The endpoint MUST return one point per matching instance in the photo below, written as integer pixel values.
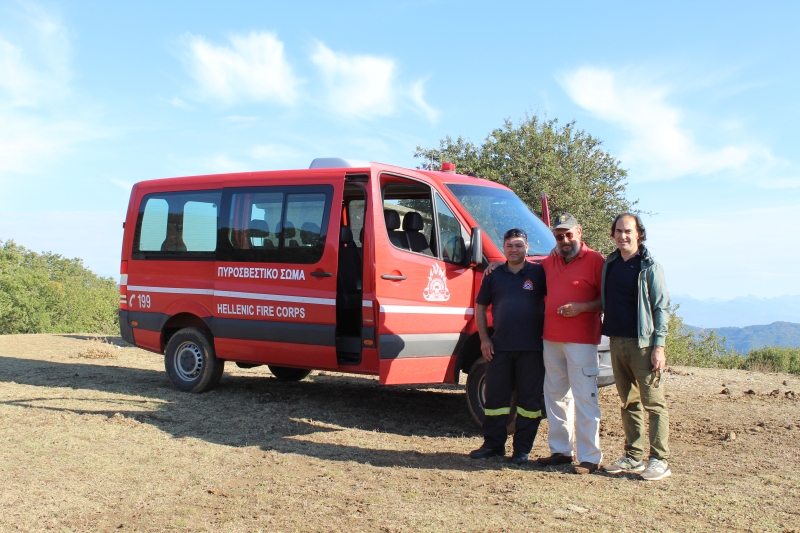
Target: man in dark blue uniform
(516, 293)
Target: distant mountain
(750, 337)
(738, 312)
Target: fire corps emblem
(528, 285)
(436, 291)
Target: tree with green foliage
(540, 156)
(47, 293)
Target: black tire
(191, 362)
(284, 373)
(476, 395)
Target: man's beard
(572, 253)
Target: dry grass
(98, 348)
(109, 444)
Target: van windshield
(499, 210)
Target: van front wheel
(191, 362)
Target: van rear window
(177, 225)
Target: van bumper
(125, 330)
(606, 376)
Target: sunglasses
(561, 236)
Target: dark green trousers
(635, 379)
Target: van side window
(452, 234)
(275, 224)
(408, 214)
(177, 225)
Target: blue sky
(699, 100)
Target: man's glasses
(561, 236)
(512, 233)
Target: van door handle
(322, 274)
(392, 277)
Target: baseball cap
(565, 221)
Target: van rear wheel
(191, 362)
(284, 373)
(476, 395)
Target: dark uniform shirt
(517, 302)
(622, 297)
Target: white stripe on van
(123, 279)
(426, 310)
(170, 290)
(232, 294)
(276, 297)
(408, 309)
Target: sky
(699, 101)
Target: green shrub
(774, 359)
(47, 293)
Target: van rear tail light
(123, 285)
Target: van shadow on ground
(261, 411)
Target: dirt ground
(110, 445)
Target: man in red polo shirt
(571, 335)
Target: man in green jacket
(636, 313)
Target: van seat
(290, 235)
(309, 234)
(259, 229)
(348, 289)
(392, 219)
(412, 225)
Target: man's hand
(575, 308)
(491, 267)
(659, 358)
(487, 349)
(572, 309)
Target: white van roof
(337, 162)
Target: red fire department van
(358, 268)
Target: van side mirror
(476, 247)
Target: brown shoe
(555, 459)
(585, 468)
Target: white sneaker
(656, 469)
(625, 465)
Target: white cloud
(29, 142)
(418, 97)
(252, 69)
(35, 73)
(660, 145)
(357, 85)
(36, 67)
(177, 102)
